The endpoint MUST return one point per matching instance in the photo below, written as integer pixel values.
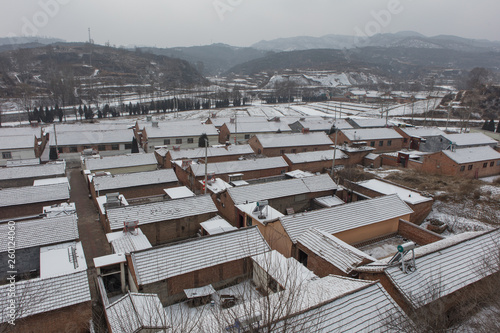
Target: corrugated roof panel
(362, 134)
(171, 260)
(160, 211)
(315, 156)
(447, 270)
(38, 171)
(120, 161)
(15, 196)
(211, 152)
(345, 217)
(471, 155)
(239, 166)
(293, 140)
(103, 183)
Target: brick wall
(280, 151)
(26, 210)
(137, 191)
(439, 163)
(318, 265)
(419, 235)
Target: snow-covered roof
(40, 232)
(51, 181)
(329, 201)
(111, 182)
(33, 194)
(92, 137)
(283, 188)
(315, 124)
(120, 161)
(470, 139)
(218, 185)
(422, 132)
(369, 122)
(239, 166)
(371, 134)
(135, 312)
(365, 309)
(315, 156)
(110, 259)
(447, 270)
(160, 211)
(177, 129)
(126, 242)
(44, 295)
(270, 214)
(338, 253)
(38, 171)
(288, 272)
(62, 259)
(179, 192)
(346, 217)
(211, 152)
(17, 142)
(163, 262)
(372, 156)
(258, 127)
(293, 140)
(471, 155)
(408, 196)
(217, 225)
(299, 174)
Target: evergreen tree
(203, 140)
(135, 146)
(80, 111)
(485, 125)
(498, 127)
(53, 154)
(491, 126)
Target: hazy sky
(167, 23)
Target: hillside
(80, 71)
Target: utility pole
(448, 118)
(55, 137)
(236, 127)
(206, 166)
(335, 148)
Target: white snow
(179, 192)
(406, 195)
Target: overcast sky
(168, 23)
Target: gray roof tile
(33, 194)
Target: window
(190, 140)
(101, 147)
(294, 151)
(115, 147)
(282, 152)
(249, 221)
(166, 141)
(372, 144)
(380, 143)
(485, 165)
(462, 168)
(303, 257)
(469, 167)
(7, 154)
(247, 136)
(73, 149)
(389, 143)
(128, 146)
(178, 141)
(59, 150)
(492, 164)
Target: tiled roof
(134, 312)
(346, 217)
(283, 188)
(315, 156)
(110, 182)
(240, 166)
(38, 171)
(176, 129)
(408, 196)
(371, 134)
(422, 132)
(471, 155)
(75, 138)
(126, 242)
(42, 232)
(293, 140)
(369, 122)
(33, 194)
(447, 270)
(121, 161)
(340, 254)
(44, 295)
(367, 309)
(160, 211)
(18, 142)
(259, 127)
(470, 139)
(171, 260)
(211, 152)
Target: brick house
(292, 194)
(164, 221)
(26, 175)
(219, 260)
(248, 169)
(242, 131)
(382, 139)
(280, 144)
(426, 139)
(20, 143)
(315, 161)
(121, 164)
(467, 162)
(214, 154)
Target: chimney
(305, 130)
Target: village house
(170, 269)
(241, 131)
(26, 175)
(442, 273)
(382, 139)
(30, 200)
(120, 164)
(183, 134)
(367, 123)
(466, 163)
(211, 154)
(280, 144)
(134, 185)
(163, 221)
(293, 195)
(227, 171)
(318, 124)
(426, 139)
(316, 161)
(466, 140)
